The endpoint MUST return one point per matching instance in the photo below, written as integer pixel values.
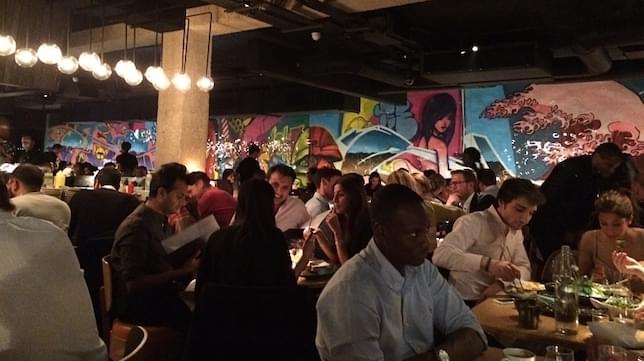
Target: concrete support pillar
(182, 118)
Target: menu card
(201, 230)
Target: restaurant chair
(252, 323)
(163, 343)
(134, 346)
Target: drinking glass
(558, 353)
(610, 353)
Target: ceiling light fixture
(88, 60)
(132, 75)
(26, 57)
(7, 42)
(68, 64)
(475, 48)
(49, 53)
(205, 83)
(181, 80)
(102, 71)
(154, 73)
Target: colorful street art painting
(100, 142)
(425, 133)
(282, 140)
(526, 130)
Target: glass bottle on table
(566, 304)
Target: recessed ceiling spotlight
(475, 48)
(463, 52)
(45, 95)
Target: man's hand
(504, 270)
(453, 200)
(491, 291)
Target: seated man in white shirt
(388, 302)
(486, 248)
(290, 212)
(324, 180)
(24, 188)
(45, 313)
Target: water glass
(610, 353)
(558, 353)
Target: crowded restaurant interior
(323, 180)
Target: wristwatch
(442, 355)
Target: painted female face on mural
(442, 124)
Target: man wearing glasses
(486, 248)
(389, 302)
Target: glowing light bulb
(7, 45)
(181, 81)
(102, 72)
(26, 57)
(205, 84)
(124, 67)
(68, 65)
(89, 61)
(49, 53)
(134, 78)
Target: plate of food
(318, 269)
(524, 289)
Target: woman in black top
(374, 184)
(252, 252)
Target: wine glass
(558, 353)
(610, 353)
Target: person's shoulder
(35, 226)
(352, 277)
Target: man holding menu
(146, 287)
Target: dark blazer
(481, 202)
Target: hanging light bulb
(89, 60)
(162, 83)
(152, 73)
(67, 65)
(7, 45)
(49, 53)
(134, 78)
(26, 57)
(181, 81)
(205, 84)
(124, 67)
(102, 72)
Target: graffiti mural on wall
(425, 133)
(281, 139)
(100, 142)
(528, 129)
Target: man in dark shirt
(146, 287)
(571, 189)
(95, 216)
(29, 153)
(126, 161)
(249, 166)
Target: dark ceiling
(379, 54)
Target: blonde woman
(404, 178)
(426, 190)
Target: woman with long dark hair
(437, 127)
(252, 251)
(347, 228)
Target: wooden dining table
(501, 321)
(496, 354)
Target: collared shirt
(317, 204)
(370, 311)
(43, 206)
(137, 250)
(476, 235)
(468, 202)
(47, 313)
(291, 214)
(219, 203)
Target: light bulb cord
(134, 46)
(184, 48)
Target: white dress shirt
(46, 312)
(476, 235)
(43, 206)
(291, 214)
(371, 312)
(317, 204)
